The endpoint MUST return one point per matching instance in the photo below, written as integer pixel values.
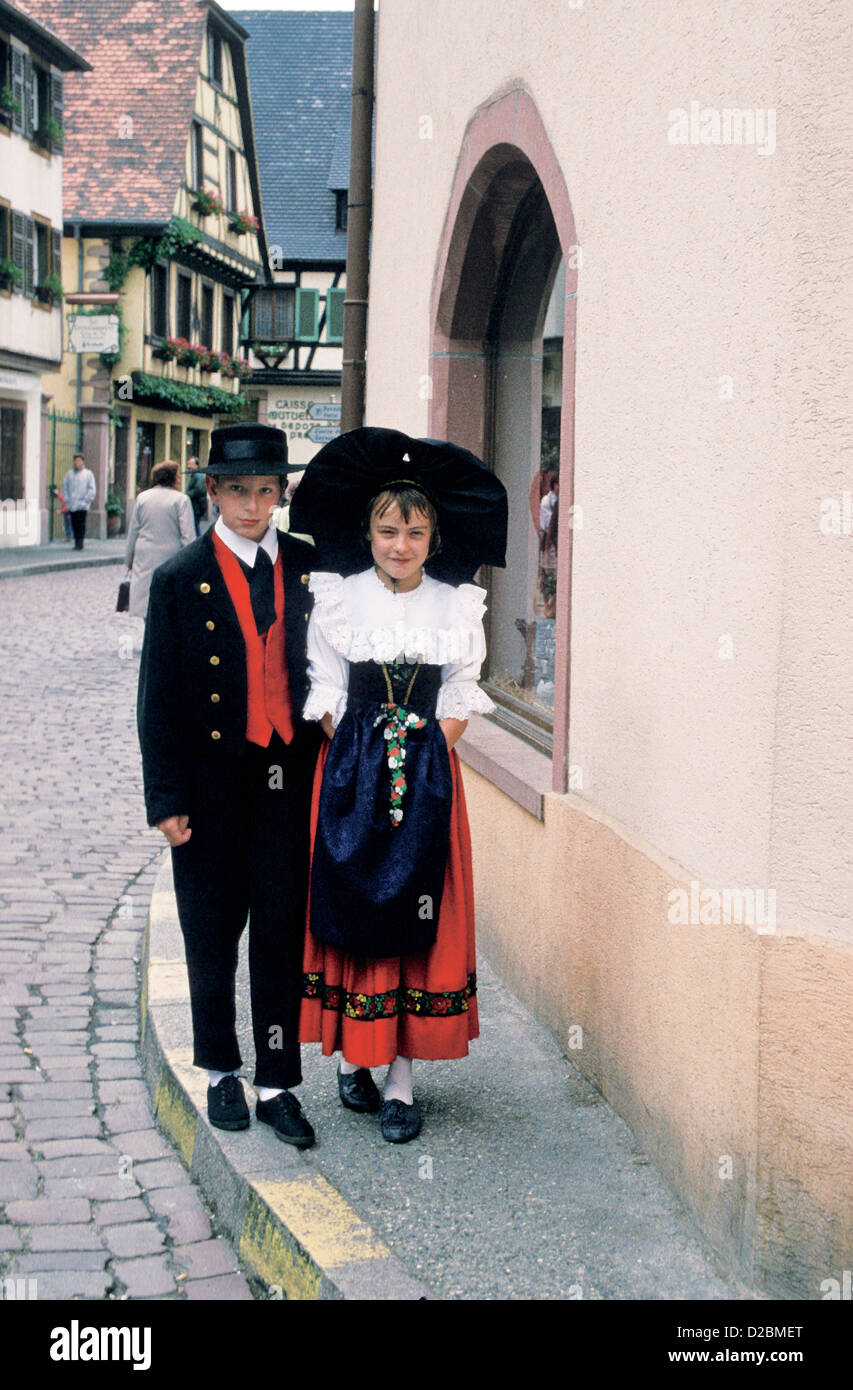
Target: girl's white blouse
(360, 619)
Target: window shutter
(19, 248)
(261, 303)
(55, 252)
(56, 107)
(306, 315)
(29, 98)
(18, 64)
(335, 315)
(29, 257)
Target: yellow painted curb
(322, 1221)
(176, 1114)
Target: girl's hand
(453, 729)
(328, 726)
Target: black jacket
(193, 688)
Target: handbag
(123, 600)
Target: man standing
(78, 491)
(196, 492)
(228, 766)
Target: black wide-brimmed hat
(248, 449)
(344, 477)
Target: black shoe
(399, 1122)
(286, 1116)
(357, 1091)
(226, 1104)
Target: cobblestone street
(94, 1203)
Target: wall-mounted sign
(93, 333)
(295, 415)
(323, 434)
(325, 410)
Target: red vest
(268, 705)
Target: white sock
(398, 1082)
(269, 1092)
(347, 1068)
(214, 1077)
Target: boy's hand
(176, 829)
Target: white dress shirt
(245, 549)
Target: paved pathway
(93, 1202)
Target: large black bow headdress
(344, 477)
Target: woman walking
(161, 524)
(394, 653)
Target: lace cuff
(325, 699)
(459, 699)
(329, 610)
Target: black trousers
(247, 857)
(78, 526)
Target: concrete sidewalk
(17, 560)
(523, 1184)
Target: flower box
(207, 202)
(243, 222)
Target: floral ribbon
(398, 722)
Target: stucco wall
(701, 513)
(722, 1046)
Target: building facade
(34, 64)
(598, 264)
(300, 69)
(166, 237)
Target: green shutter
(55, 252)
(29, 257)
(19, 248)
(56, 107)
(18, 66)
(29, 98)
(335, 315)
(307, 305)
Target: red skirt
(422, 1005)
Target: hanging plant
(10, 274)
(52, 133)
(8, 102)
(50, 289)
(196, 400)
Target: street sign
(323, 434)
(325, 410)
(93, 333)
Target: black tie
(261, 590)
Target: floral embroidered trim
(369, 1007)
(398, 722)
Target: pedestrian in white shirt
(78, 490)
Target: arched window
(503, 383)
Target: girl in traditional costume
(395, 646)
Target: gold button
(304, 578)
(205, 588)
(214, 699)
(215, 733)
(306, 617)
(214, 661)
(210, 625)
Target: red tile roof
(127, 122)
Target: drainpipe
(79, 240)
(358, 218)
